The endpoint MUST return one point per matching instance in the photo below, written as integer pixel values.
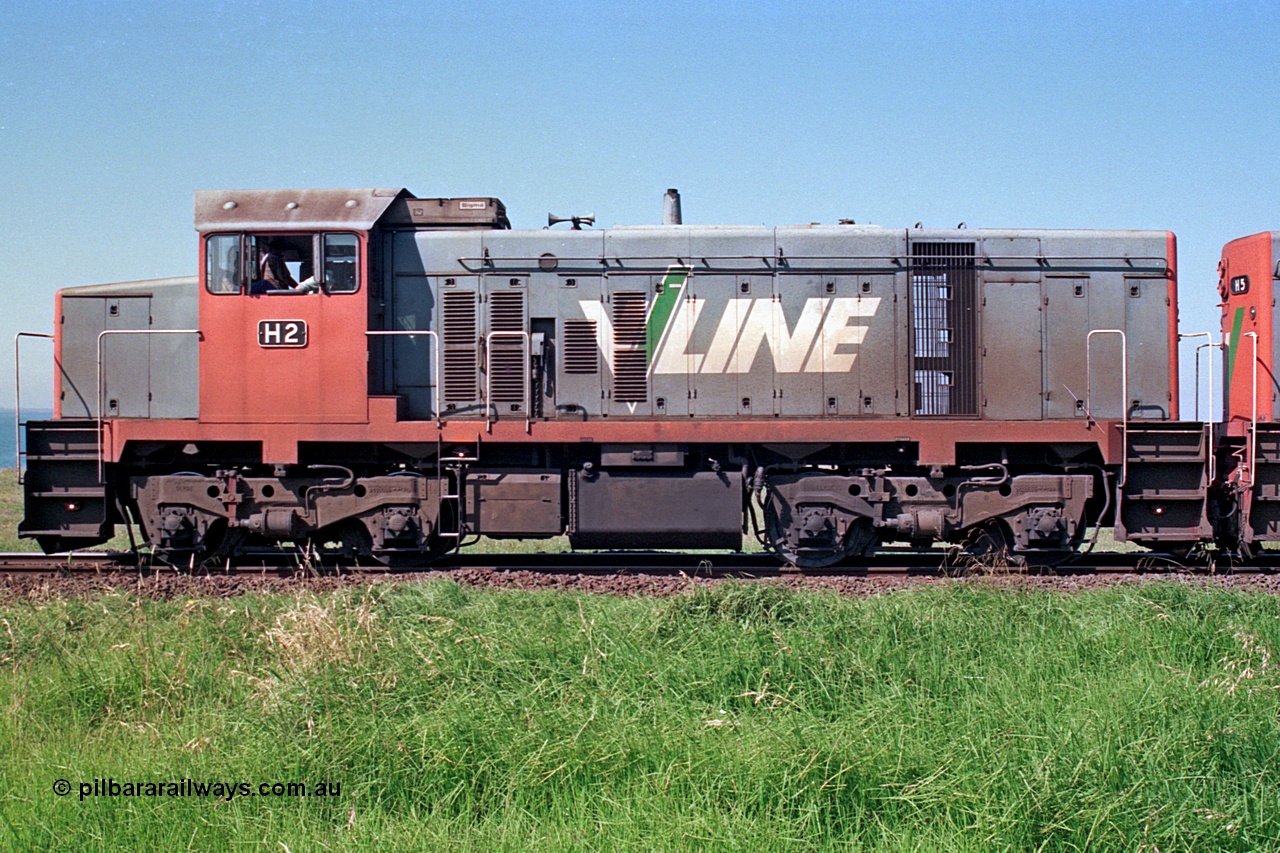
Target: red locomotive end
(1246, 285)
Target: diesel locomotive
(827, 389)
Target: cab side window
(341, 255)
(282, 264)
(224, 264)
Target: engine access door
(111, 346)
(1011, 351)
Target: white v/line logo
(820, 341)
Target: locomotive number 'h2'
(282, 333)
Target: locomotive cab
(287, 280)
(282, 307)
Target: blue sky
(1096, 115)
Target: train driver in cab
(272, 272)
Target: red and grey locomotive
(829, 388)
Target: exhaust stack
(671, 208)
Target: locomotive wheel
(218, 544)
(350, 541)
(345, 542)
(798, 546)
(986, 549)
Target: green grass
(11, 513)
(968, 716)
(741, 717)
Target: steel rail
(936, 563)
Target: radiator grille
(944, 328)
(630, 361)
(581, 350)
(458, 338)
(507, 362)
(506, 311)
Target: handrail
(1253, 427)
(1187, 336)
(1209, 450)
(18, 452)
(435, 373)
(488, 372)
(102, 390)
(1155, 264)
(1213, 459)
(1124, 389)
(1211, 345)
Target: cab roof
(287, 210)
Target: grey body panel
(1011, 357)
(806, 391)
(85, 319)
(143, 375)
(1146, 312)
(126, 361)
(1066, 313)
(412, 358)
(797, 322)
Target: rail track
(886, 564)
